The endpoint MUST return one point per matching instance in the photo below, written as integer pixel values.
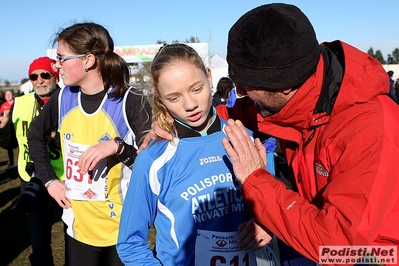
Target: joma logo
(211, 159)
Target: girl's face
(71, 70)
(186, 92)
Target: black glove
(27, 199)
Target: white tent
(26, 87)
(219, 68)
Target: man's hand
(253, 235)
(57, 190)
(245, 156)
(154, 132)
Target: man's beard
(266, 111)
(46, 93)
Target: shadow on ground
(14, 232)
(13, 225)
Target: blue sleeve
(138, 215)
(232, 98)
(270, 146)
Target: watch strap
(120, 143)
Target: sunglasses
(43, 75)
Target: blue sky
(27, 27)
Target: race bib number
(221, 248)
(89, 186)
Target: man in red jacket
(328, 106)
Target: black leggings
(78, 253)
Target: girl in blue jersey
(185, 187)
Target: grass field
(14, 235)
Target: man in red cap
(34, 199)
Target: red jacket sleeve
(358, 205)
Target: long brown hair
(92, 38)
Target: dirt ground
(14, 235)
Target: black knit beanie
(273, 46)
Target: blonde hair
(166, 56)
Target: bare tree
(192, 39)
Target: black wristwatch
(120, 143)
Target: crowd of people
(113, 161)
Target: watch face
(120, 144)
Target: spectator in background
(4, 111)
(225, 85)
(392, 90)
(9, 101)
(40, 207)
